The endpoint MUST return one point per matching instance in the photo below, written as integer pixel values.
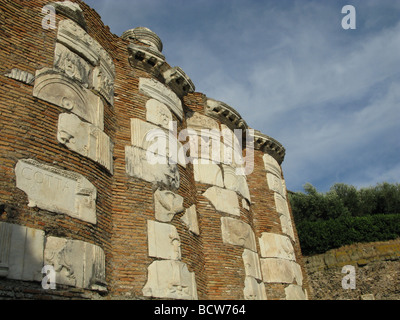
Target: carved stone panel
(77, 263)
(71, 64)
(236, 182)
(21, 252)
(254, 290)
(208, 174)
(156, 90)
(294, 292)
(238, 233)
(276, 246)
(223, 200)
(155, 169)
(20, 75)
(66, 93)
(163, 241)
(275, 184)
(85, 139)
(167, 204)
(170, 279)
(252, 264)
(197, 121)
(178, 81)
(281, 271)
(57, 190)
(190, 219)
(158, 113)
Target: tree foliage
(345, 215)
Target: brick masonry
(124, 204)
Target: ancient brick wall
(78, 192)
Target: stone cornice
(224, 113)
(269, 145)
(144, 35)
(145, 54)
(178, 81)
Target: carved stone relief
(155, 170)
(271, 165)
(276, 246)
(57, 190)
(208, 174)
(167, 204)
(170, 279)
(20, 75)
(254, 290)
(238, 233)
(21, 252)
(190, 219)
(197, 121)
(163, 241)
(178, 81)
(156, 90)
(60, 90)
(85, 139)
(275, 184)
(223, 200)
(236, 182)
(77, 263)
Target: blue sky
(330, 96)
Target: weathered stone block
(77, 263)
(271, 165)
(223, 200)
(167, 204)
(190, 219)
(170, 279)
(281, 271)
(238, 233)
(163, 241)
(85, 139)
(208, 174)
(254, 290)
(57, 190)
(158, 113)
(276, 246)
(294, 292)
(21, 252)
(236, 182)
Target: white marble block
(275, 184)
(61, 90)
(77, 263)
(190, 220)
(57, 190)
(223, 200)
(170, 279)
(271, 165)
(276, 246)
(158, 113)
(21, 252)
(294, 292)
(236, 182)
(167, 204)
(163, 241)
(281, 271)
(238, 233)
(252, 264)
(156, 90)
(156, 170)
(85, 139)
(254, 290)
(208, 174)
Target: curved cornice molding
(224, 113)
(269, 145)
(144, 35)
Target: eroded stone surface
(170, 279)
(254, 290)
(190, 219)
(158, 113)
(57, 190)
(167, 204)
(223, 200)
(208, 173)
(163, 241)
(281, 271)
(21, 252)
(276, 246)
(238, 233)
(252, 264)
(236, 182)
(271, 165)
(294, 292)
(77, 263)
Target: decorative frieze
(20, 75)
(223, 200)
(224, 113)
(76, 263)
(147, 55)
(85, 139)
(21, 252)
(66, 93)
(170, 279)
(178, 81)
(156, 90)
(269, 145)
(57, 190)
(238, 233)
(163, 241)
